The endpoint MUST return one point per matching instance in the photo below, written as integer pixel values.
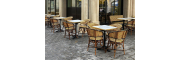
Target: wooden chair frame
(70, 31)
(95, 42)
(116, 44)
(82, 28)
(47, 21)
(131, 27)
(54, 22)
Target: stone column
(133, 8)
(125, 8)
(129, 8)
(84, 9)
(94, 11)
(62, 8)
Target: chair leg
(48, 24)
(112, 46)
(107, 46)
(123, 49)
(53, 28)
(100, 42)
(131, 30)
(75, 33)
(114, 50)
(80, 29)
(88, 45)
(65, 33)
(95, 47)
(45, 24)
(83, 31)
(69, 35)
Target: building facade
(96, 10)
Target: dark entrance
(107, 8)
(74, 8)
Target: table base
(102, 48)
(74, 37)
(60, 30)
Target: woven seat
(55, 24)
(97, 38)
(83, 26)
(70, 25)
(70, 28)
(118, 40)
(130, 25)
(46, 20)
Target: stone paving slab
(59, 48)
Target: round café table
(124, 21)
(76, 23)
(59, 18)
(104, 28)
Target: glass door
(53, 7)
(57, 7)
(74, 8)
(48, 7)
(108, 8)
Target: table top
(75, 21)
(125, 18)
(59, 17)
(104, 27)
(50, 15)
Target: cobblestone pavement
(59, 48)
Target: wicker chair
(114, 20)
(47, 21)
(90, 25)
(57, 15)
(95, 37)
(68, 29)
(68, 18)
(117, 38)
(55, 23)
(131, 26)
(83, 26)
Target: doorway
(107, 8)
(74, 8)
(52, 7)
